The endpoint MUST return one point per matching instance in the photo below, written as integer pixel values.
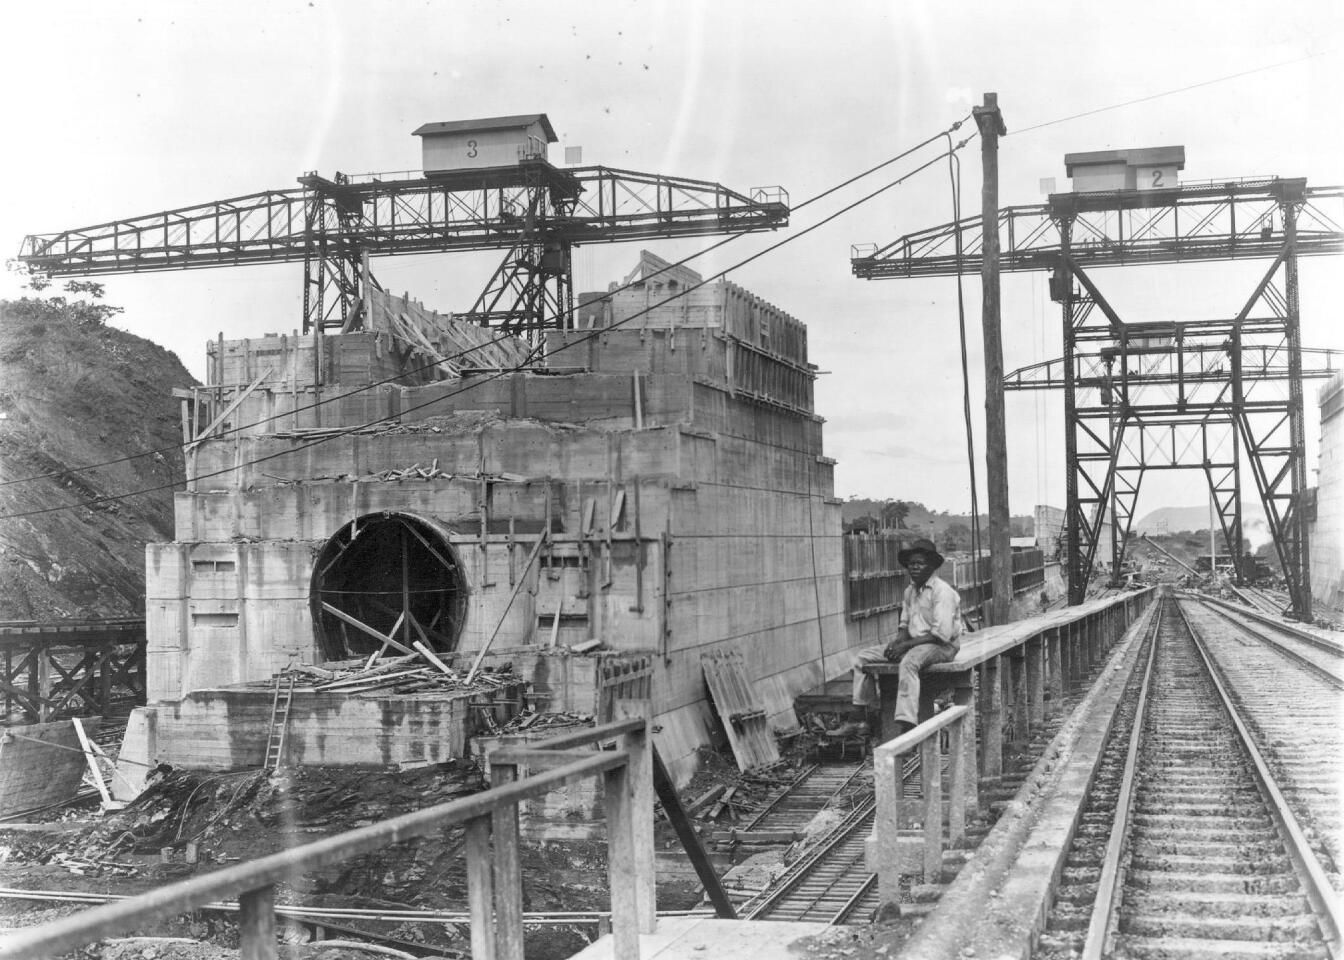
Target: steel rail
(1296, 633)
(1316, 885)
(857, 819)
(301, 911)
(1334, 679)
(1106, 906)
(1257, 600)
(803, 776)
(843, 913)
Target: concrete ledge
(997, 906)
(41, 763)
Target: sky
(120, 109)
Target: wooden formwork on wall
(622, 678)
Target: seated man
(928, 634)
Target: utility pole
(990, 121)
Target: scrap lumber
(95, 774)
(704, 800)
(428, 654)
(361, 625)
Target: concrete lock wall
(1327, 531)
(686, 508)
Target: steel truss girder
(472, 210)
(1191, 364)
(1108, 391)
(1191, 223)
(533, 210)
(1225, 491)
(1115, 427)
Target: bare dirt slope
(73, 394)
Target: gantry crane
(533, 210)
(1161, 394)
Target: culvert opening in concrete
(387, 576)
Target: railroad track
(1187, 845)
(831, 883)
(1293, 710)
(1316, 654)
(828, 884)
(822, 785)
(1263, 600)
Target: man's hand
(898, 647)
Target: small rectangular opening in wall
(562, 561)
(225, 621)
(213, 566)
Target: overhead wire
(684, 291)
(401, 375)
(954, 176)
(1168, 93)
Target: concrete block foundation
(660, 489)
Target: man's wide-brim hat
(925, 547)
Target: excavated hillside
(75, 393)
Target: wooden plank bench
(1013, 677)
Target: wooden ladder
(275, 740)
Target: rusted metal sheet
(744, 719)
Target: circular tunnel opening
(383, 582)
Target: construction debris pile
(530, 720)
(184, 817)
(407, 674)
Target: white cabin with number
(1151, 168)
(491, 142)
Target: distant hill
(1177, 519)
(920, 521)
(74, 392)
(1174, 519)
